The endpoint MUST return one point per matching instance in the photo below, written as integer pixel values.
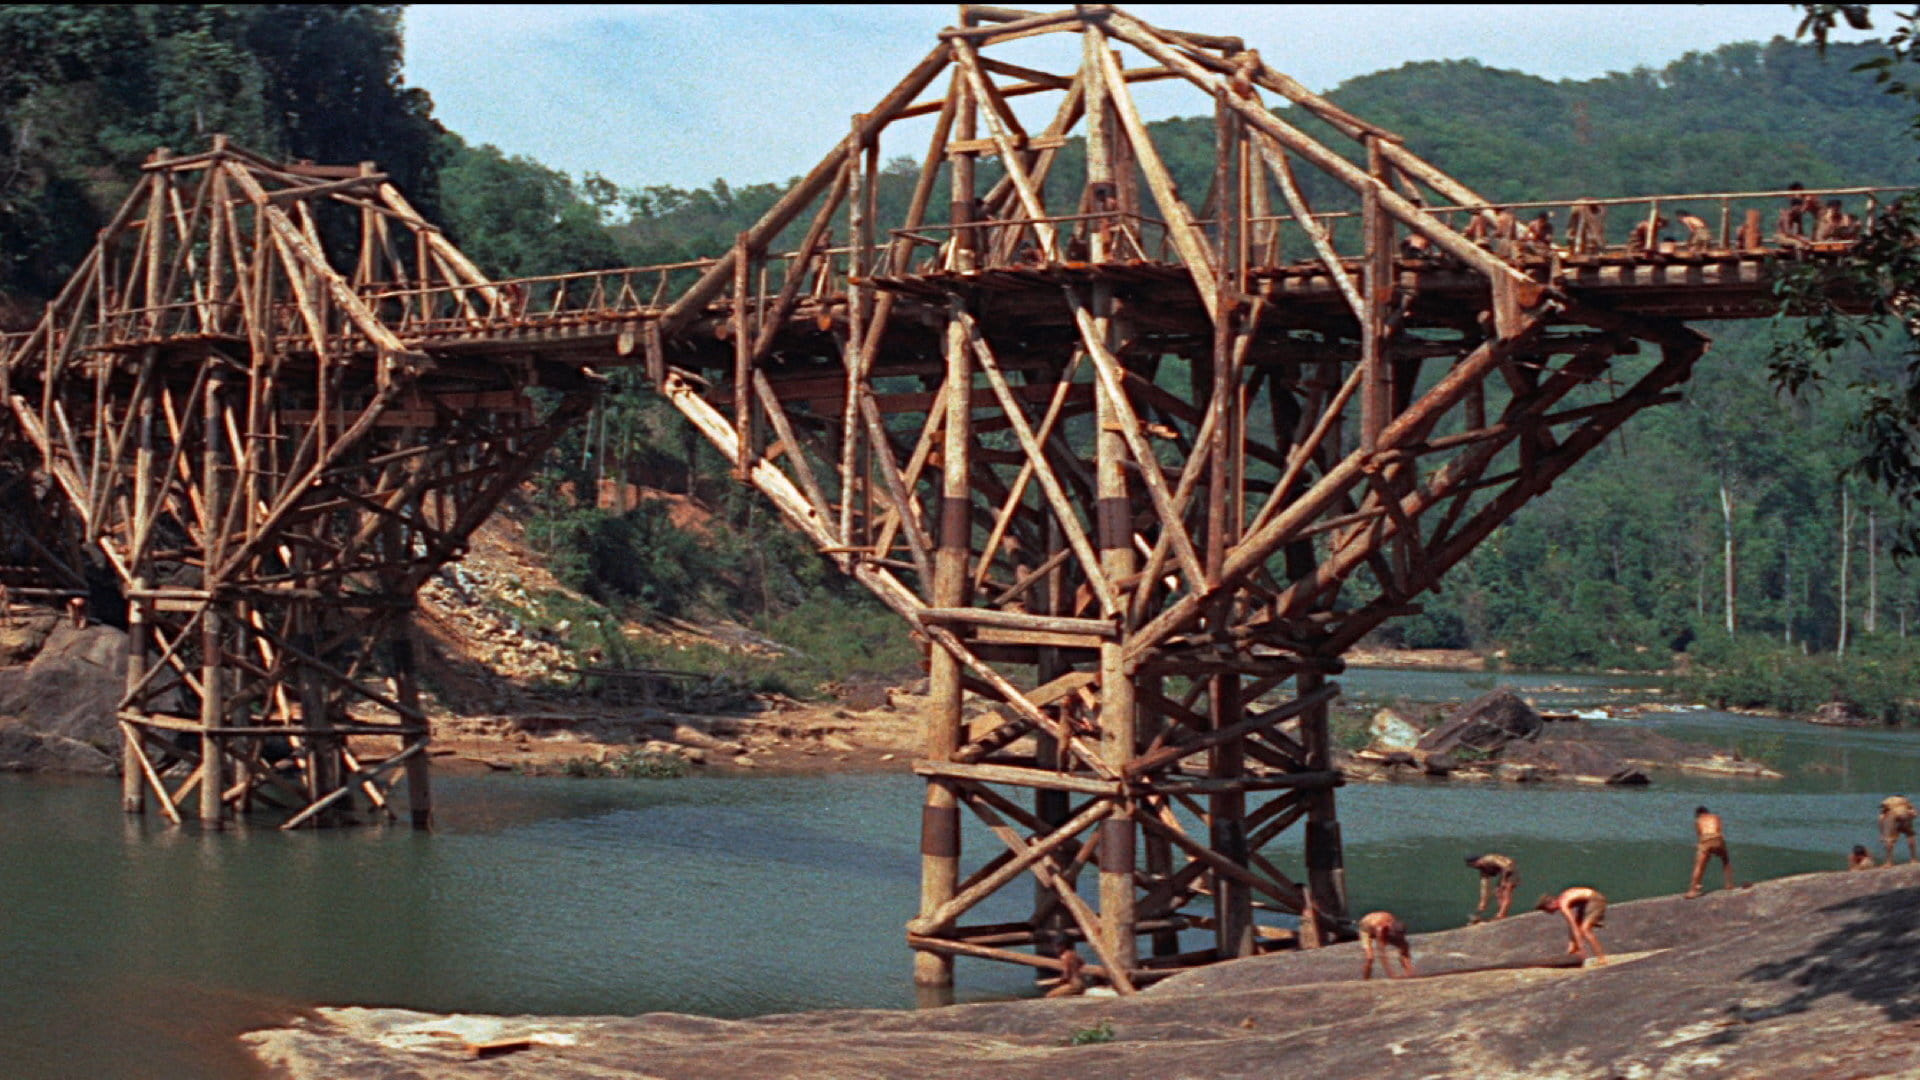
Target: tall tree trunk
(1873, 576)
(1726, 525)
(1786, 592)
(1846, 556)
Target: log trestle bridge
(1136, 469)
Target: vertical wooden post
(133, 788)
(406, 690)
(1099, 142)
(743, 425)
(132, 778)
(1376, 393)
(1113, 525)
(212, 658)
(322, 757)
(1113, 515)
(1226, 810)
(940, 818)
(1326, 870)
(1156, 849)
(1049, 805)
(966, 241)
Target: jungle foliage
(1624, 563)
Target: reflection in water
(134, 949)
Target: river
(131, 949)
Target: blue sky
(680, 94)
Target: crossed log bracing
(1137, 468)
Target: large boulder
(1392, 731)
(1842, 714)
(22, 636)
(23, 749)
(62, 704)
(1485, 725)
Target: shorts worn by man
(1585, 910)
(1498, 877)
(1896, 820)
(1712, 843)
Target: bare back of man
(1585, 910)
(1380, 931)
(1499, 877)
(1712, 843)
(1897, 816)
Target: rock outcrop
(1485, 725)
(1842, 714)
(1806, 977)
(57, 712)
(1392, 731)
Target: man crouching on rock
(1381, 930)
(1585, 910)
(1498, 877)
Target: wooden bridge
(1136, 469)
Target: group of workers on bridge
(1584, 908)
(1805, 220)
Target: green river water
(131, 949)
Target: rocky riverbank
(1500, 737)
(1810, 976)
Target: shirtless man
(1497, 876)
(1073, 978)
(1790, 229)
(1646, 234)
(1834, 223)
(1896, 820)
(1381, 930)
(1585, 911)
(1587, 228)
(1712, 841)
(1538, 239)
(1861, 859)
(1699, 237)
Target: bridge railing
(1629, 226)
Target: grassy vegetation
(1878, 676)
(1101, 1032)
(627, 765)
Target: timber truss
(1137, 469)
(1130, 493)
(268, 474)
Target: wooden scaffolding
(1136, 468)
(265, 474)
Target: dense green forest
(1723, 515)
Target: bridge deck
(1712, 285)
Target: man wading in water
(1712, 842)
